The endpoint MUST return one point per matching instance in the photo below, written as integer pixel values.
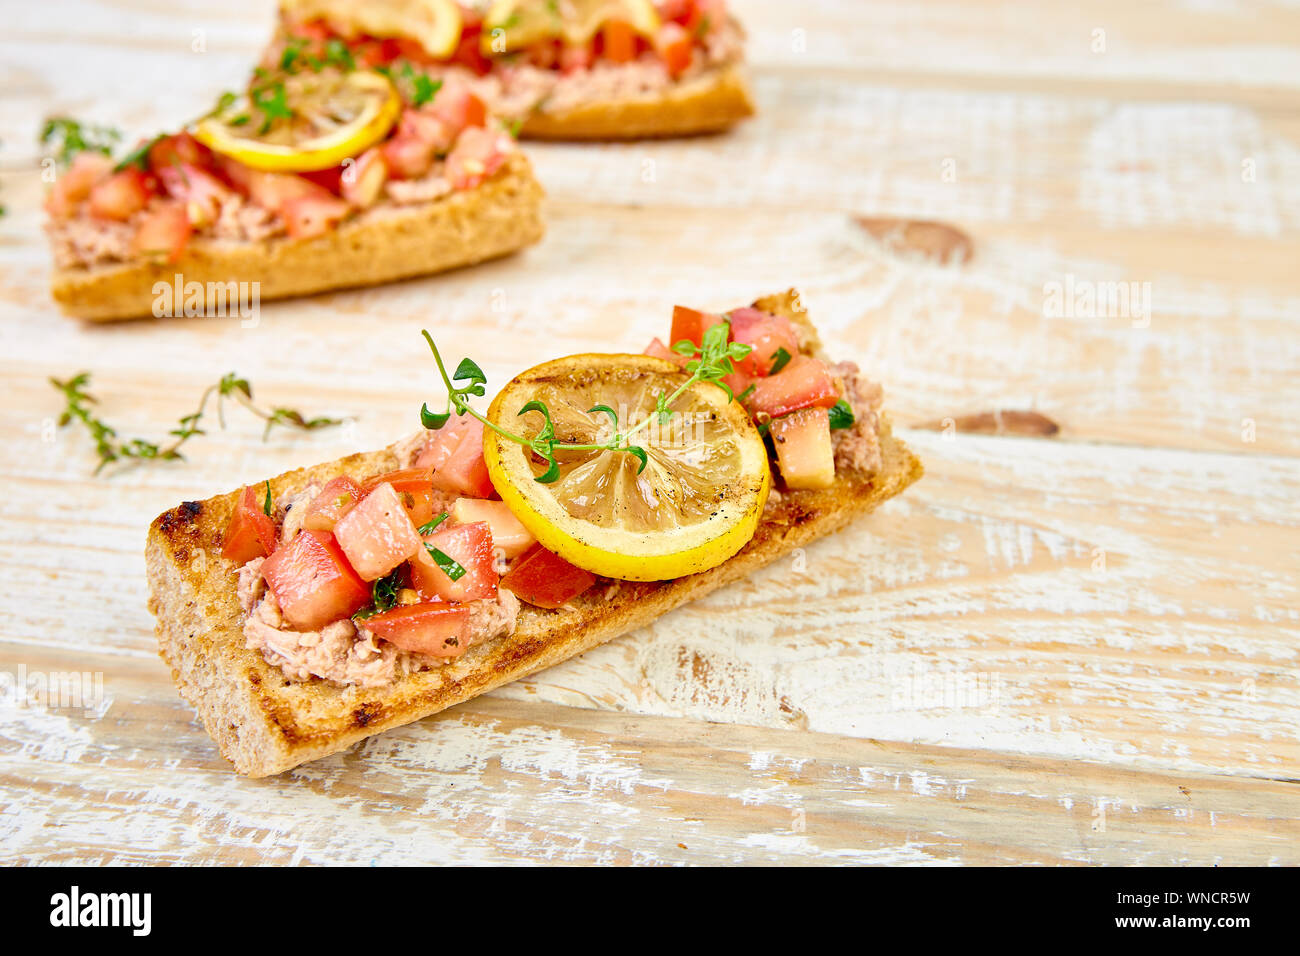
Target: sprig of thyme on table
(110, 448)
(711, 362)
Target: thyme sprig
(110, 448)
(711, 362)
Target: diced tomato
(659, 350)
(377, 534)
(705, 16)
(462, 469)
(469, 52)
(767, 334)
(74, 185)
(459, 108)
(439, 443)
(433, 629)
(675, 48)
(414, 486)
(120, 196)
(675, 9)
(338, 497)
(363, 180)
(509, 536)
(162, 233)
(803, 383)
(313, 581)
(407, 157)
(544, 579)
(313, 216)
(576, 56)
(470, 546)
(618, 41)
(692, 324)
(181, 149)
(274, 190)
(251, 532)
(477, 154)
(803, 448)
(313, 29)
(427, 125)
(329, 179)
(201, 193)
(544, 54)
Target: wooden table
(1070, 649)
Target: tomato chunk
(274, 190)
(619, 41)
(338, 497)
(362, 182)
(803, 383)
(414, 486)
(659, 350)
(311, 216)
(120, 196)
(544, 579)
(72, 188)
(180, 149)
(455, 453)
(201, 193)
(457, 107)
(163, 232)
(692, 324)
(377, 534)
(673, 44)
(470, 546)
(767, 335)
(803, 448)
(509, 537)
(478, 154)
(251, 532)
(313, 581)
(433, 629)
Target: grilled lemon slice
(696, 502)
(515, 24)
(304, 121)
(435, 24)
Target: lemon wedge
(695, 503)
(304, 121)
(515, 24)
(435, 24)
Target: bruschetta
(321, 175)
(560, 69)
(302, 614)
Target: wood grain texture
(1053, 650)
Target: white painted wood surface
(1052, 650)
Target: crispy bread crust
(500, 217)
(265, 724)
(709, 103)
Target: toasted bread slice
(385, 243)
(265, 724)
(711, 102)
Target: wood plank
(507, 781)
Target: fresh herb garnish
(746, 393)
(711, 362)
(423, 87)
(267, 504)
(273, 104)
(841, 415)
(449, 565)
(383, 595)
(70, 137)
(429, 526)
(110, 448)
(780, 361)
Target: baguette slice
(708, 103)
(385, 243)
(265, 724)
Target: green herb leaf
(841, 415)
(780, 361)
(70, 137)
(429, 526)
(266, 503)
(448, 565)
(746, 393)
(469, 371)
(613, 415)
(433, 420)
(640, 454)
